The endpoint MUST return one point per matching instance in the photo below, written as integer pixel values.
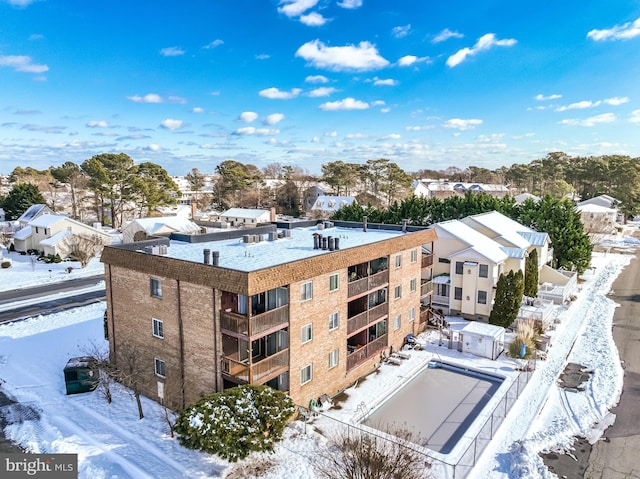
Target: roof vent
(207, 256)
(216, 258)
(320, 226)
(336, 243)
(364, 224)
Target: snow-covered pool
(438, 404)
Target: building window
(397, 292)
(158, 328)
(334, 282)
(412, 314)
(333, 358)
(160, 368)
(156, 288)
(398, 260)
(483, 272)
(334, 321)
(306, 333)
(482, 297)
(397, 321)
(442, 290)
(457, 293)
(414, 255)
(306, 291)
(444, 260)
(413, 284)
(459, 267)
(306, 374)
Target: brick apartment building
(307, 310)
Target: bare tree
(83, 248)
(100, 361)
(360, 455)
(130, 373)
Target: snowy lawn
(112, 443)
(25, 271)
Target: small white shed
(482, 339)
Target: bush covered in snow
(236, 422)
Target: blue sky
(424, 83)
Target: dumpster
(80, 376)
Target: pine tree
(20, 198)
(507, 299)
(531, 274)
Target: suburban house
(597, 219)
(445, 189)
(326, 206)
(303, 307)
(48, 233)
(142, 228)
(247, 217)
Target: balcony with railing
(362, 285)
(367, 317)
(362, 353)
(257, 371)
(426, 288)
(241, 324)
(427, 260)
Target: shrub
(5, 264)
(236, 422)
(50, 258)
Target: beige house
(48, 233)
(307, 310)
(141, 228)
(247, 217)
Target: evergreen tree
(531, 274)
(20, 198)
(508, 298)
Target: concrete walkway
(617, 455)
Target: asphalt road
(8, 312)
(617, 455)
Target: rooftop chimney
(316, 240)
(331, 242)
(324, 242)
(404, 225)
(364, 224)
(336, 243)
(216, 258)
(207, 256)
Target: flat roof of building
(238, 255)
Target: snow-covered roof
(23, 233)
(45, 221)
(534, 238)
(238, 255)
(53, 240)
(594, 208)
(516, 253)
(521, 198)
(483, 329)
(32, 212)
(244, 213)
(503, 226)
(602, 200)
(165, 224)
(476, 241)
(442, 279)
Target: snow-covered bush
(236, 422)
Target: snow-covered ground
(112, 443)
(25, 271)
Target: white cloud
(313, 20)
(485, 42)
(541, 97)
(384, 82)
(171, 52)
(248, 116)
(362, 57)
(408, 60)
(316, 79)
(401, 31)
(616, 100)
(417, 127)
(625, 31)
(197, 109)
(216, 43)
(445, 34)
(331, 134)
(579, 105)
(591, 121)
(153, 147)
(321, 91)
(22, 63)
(148, 98)
(273, 119)
(176, 99)
(171, 124)
(350, 4)
(377, 103)
(356, 136)
(346, 104)
(392, 136)
(263, 56)
(635, 116)
(276, 94)
(20, 3)
(251, 130)
(460, 124)
(295, 8)
(97, 124)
